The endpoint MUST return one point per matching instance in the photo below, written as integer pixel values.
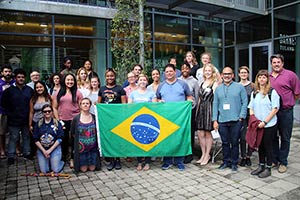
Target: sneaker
(224, 165)
(234, 168)
(181, 167)
(243, 162)
(258, 170)
(282, 168)
(110, 166)
(118, 165)
(248, 162)
(10, 161)
(265, 173)
(166, 166)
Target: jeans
(177, 160)
(14, 132)
(285, 120)
(230, 136)
(55, 161)
(245, 152)
(147, 159)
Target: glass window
(171, 29)
(253, 30)
(282, 2)
(28, 53)
(148, 26)
(165, 51)
(80, 49)
(286, 21)
(229, 33)
(216, 55)
(20, 22)
(71, 25)
(207, 33)
(290, 52)
(229, 57)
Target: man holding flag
(173, 90)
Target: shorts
(3, 124)
(88, 158)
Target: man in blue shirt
(173, 90)
(229, 110)
(15, 100)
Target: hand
(216, 125)
(261, 125)
(47, 153)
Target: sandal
(139, 167)
(146, 167)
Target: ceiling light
(43, 25)
(20, 23)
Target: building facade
(37, 34)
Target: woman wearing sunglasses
(47, 135)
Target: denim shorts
(88, 158)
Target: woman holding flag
(142, 94)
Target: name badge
(226, 106)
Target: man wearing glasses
(229, 110)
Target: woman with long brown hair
(264, 105)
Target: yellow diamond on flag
(145, 129)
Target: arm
(39, 145)
(123, 98)
(30, 115)
(55, 107)
(49, 151)
(268, 118)
(130, 100)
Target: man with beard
(229, 111)
(5, 82)
(15, 101)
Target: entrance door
(259, 58)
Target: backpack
(269, 94)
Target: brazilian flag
(144, 129)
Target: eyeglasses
(47, 111)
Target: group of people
(59, 121)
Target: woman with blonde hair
(191, 59)
(204, 124)
(83, 81)
(205, 59)
(264, 105)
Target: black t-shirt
(111, 95)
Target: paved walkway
(194, 183)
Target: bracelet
(265, 122)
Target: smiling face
(244, 74)
(277, 65)
(69, 81)
(68, 64)
(47, 112)
(39, 88)
(137, 70)
(20, 79)
(185, 71)
(170, 73)
(110, 78)
(155, 76)
(82, 75)
(205, 58)
(34, 76)
(227, 75)
(131, 77)
(142, 82)
(207, 72)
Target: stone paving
(195, 182)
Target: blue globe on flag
(145, 129)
